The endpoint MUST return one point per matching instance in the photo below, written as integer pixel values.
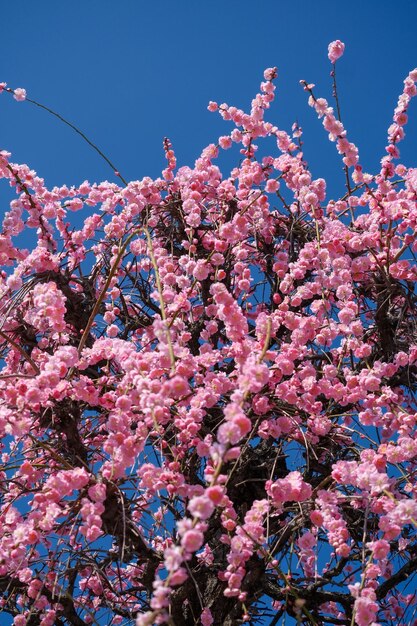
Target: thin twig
(78, 131)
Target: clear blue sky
(129, 72)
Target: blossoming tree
(207, 388)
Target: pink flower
(306, 541)
(365, 611)
(225, 142)
(112, 330)
(178, 577)
(270, 73)
(202, 269)
(201, 507)
(93, 532)
(177, 387)
(192, 540)
(228, 432)
(206, 617)
(379, 548)
(19, 94)
(336, 49)
(272, 186)
(215, 493)
(291, 488)
(97, 492)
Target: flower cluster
(207, 386)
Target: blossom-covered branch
(207, 386)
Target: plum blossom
(336, 49)
(202, 373)
(19, 94)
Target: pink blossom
(19, 94)
(97, 492)
(195, 365)
(192, 540)
(112, 330)
(291, 488)
(270, 73)
(201, 507)
(380, 548)
(225, 142)
(365, 611)
(201, 270)
(206, 617)
(336, 49)
(272, 186)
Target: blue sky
(129, 72)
